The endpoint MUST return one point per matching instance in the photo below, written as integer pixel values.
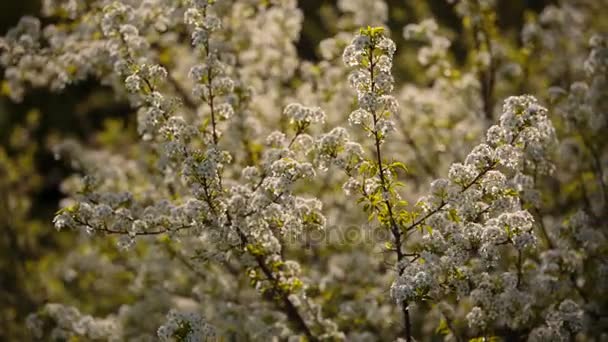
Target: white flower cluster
(69, 323)
(335, 147)
(212, 82)
(48, 57)
(434, 55)
(372, 55)
(70, 8)
(302, 116)
(185, 326)
(562, 323)
(582, 106)
(365, 12)
(269, 49)
(471, 218)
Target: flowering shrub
(266, 196)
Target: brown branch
(395, 230)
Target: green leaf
(453, 215)
(398, 165)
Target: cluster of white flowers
(48, 57)
(302, 116)
(372, 53)
(185, 326)
(470, 219)
(562, 323)
(68, 322)
(212, 83)
(69, 8)
(433, 56)
(365, 12)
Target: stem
(452, 329)
(397, 236)
(543, 229)
(211, 96)
(597, 165)
(407, 329)
(519, 271)
(183, 94)
(420, 158)
(487, 89)
(184, 261)
(383, 183)
(242, 127)
(290, 309)
(299, 131)
(487, 76)
(443, 203)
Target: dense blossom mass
(262, 196)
